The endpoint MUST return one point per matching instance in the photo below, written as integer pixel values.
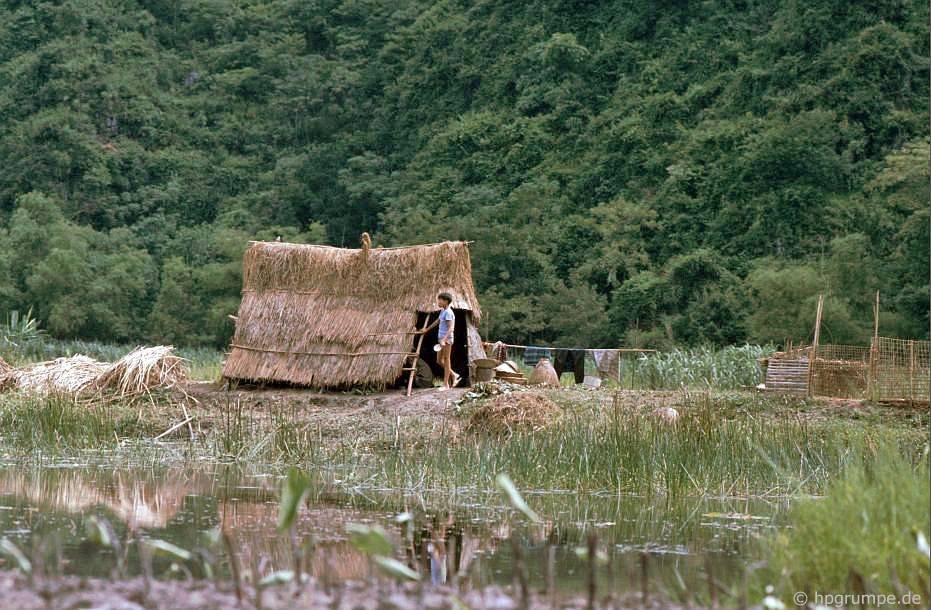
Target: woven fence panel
(841, 371)
(901, 370)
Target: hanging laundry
(570, 360)
(532, 355)
(607, 361)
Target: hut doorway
(460, 355)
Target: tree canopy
(634, 172)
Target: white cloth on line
(607, 361)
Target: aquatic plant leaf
(8, 548)
(371, 540)
(507, 487)
(163, 547)
(281, 577)
(99, 531)
(395, 569)
(293, 491)
(923, 547)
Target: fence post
(814, 346)
(911, 372)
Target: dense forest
(639, 172)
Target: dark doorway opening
(460, 354)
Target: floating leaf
(13, 551)
(163, 547)
(293, 490)
(371, 540)
(395, 569)
(506, 485)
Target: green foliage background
(640, 172)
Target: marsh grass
(724, 444)
(35, 422)
(620, 449)
(864, 526)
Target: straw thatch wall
(327, 317)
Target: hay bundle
(509, 413)
(72, 375)
(544, 374)
(4, 367)
(142, 370)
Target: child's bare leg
(447, 366)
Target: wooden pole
(814, 345)
(874, 355)
(876, 316)
(911, 372)
(619, 370)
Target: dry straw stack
(137, 373)
(71, 375)
(327, 317)
(142, 370)
(516, 412)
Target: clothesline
(575, 349)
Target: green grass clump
(33, 422)
(865, 525)
(597, 447)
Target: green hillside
(645, 172)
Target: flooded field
(676, 543)
(126, 502)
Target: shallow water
(44, 510)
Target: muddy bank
(433, 410)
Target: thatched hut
(330, 317)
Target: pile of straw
(509, 413)
(142, 370)
(139, 372)
(71, 375)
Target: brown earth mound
(515, 412)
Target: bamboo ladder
(414, 356)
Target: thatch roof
(326, 317)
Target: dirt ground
(427, 413)
(431, 413)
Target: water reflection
(465, 537)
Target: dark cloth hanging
(571, 360)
